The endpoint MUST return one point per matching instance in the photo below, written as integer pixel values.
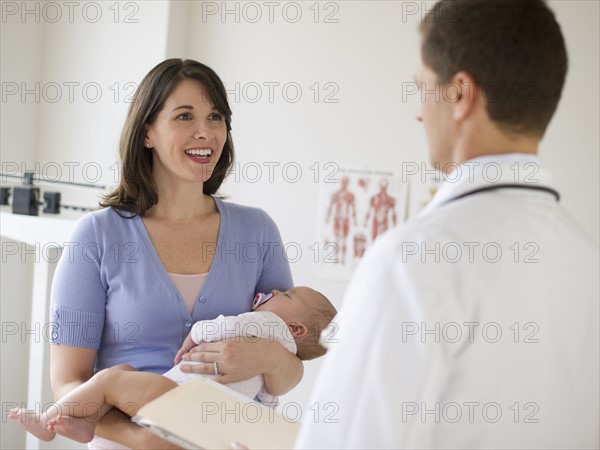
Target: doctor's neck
(485, 137)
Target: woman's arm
(116, 426)
(284, 372)
(70, 367)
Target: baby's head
(306, 313)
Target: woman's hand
(243, 358)
(187, 345)
(237, 359)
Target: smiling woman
(187, 138)
(176, 148)
(182, 105)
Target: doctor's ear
(464, 94)
(297, 329)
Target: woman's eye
(216, 117)
(184, 116)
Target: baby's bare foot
(77, 428)
(32, 422)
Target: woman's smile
(201, 155)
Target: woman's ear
(297, 329)
(147, 142)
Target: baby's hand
(188, 344)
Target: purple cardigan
(111, 292)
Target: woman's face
(187, 137)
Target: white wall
(16, 70)
(367, 55)
(572, 143)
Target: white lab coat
(495, 346)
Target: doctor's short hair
(514, 49)
(136, 192)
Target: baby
(294, 318)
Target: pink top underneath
(189, 287)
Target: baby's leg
(66, 416)
(126, 390)
(75, 414)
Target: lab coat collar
(511, 168)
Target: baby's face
(289, 305)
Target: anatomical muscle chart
(353, 212)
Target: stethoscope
(506, 186)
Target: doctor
(474, 325)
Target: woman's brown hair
(137, 191)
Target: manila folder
(208, 415)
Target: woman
(165, 253)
